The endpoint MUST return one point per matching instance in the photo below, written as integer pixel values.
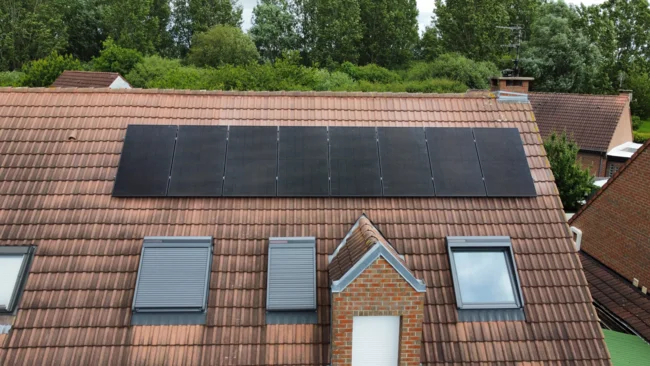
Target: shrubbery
(222, 45)
(113, 58)
(11, 78)
(476, 75)
(371, 73)
(43, 72)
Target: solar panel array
(255, 161)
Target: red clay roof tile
(55, 193)
(85, 79)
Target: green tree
(452, 66)
(131, 24)
(638, 81)
(222, 45)
(150, 68)
(84, 28)
(430, 45)
(469, 27)
(390, 31)
(30, 30)
(331, 29)
(274, 29)
(574, 183)
(114, 58)
(43, 72)
(561, 58)
(194, 16)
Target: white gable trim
(119, 83)
(368, 259)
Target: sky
(424, 6)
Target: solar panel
(251, 161)
(145, 161)
(404, 161)
(503, 162)
(354, 162)
(454, 162)
(199, 158)
(302, 164)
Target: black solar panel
(503, 162)
(199, 160)
(145, 161)
(251, 161)
(354, 162)
(454, 162)
(404, 160)
(302, 165)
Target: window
(484, 273)
(172, 283)
(14, 264)
(291, 281)
(613, 168)
(375, 340)
(514, 83)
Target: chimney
(516, 84)
(626, 92)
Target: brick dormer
(377, 303)
(516, 84)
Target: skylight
(13, 268)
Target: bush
(476, 75)
(113, 58)
(184, 78)
(336, 80)
(370, 72)
(149, 69)
(641, 137)
(636, 122)
(424, 86)
(43, 72)
(222, 45)
(11, 78)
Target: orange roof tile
(589, 119)
(55, 193)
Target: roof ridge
(254, 93)
(610, 182)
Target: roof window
(173, 279)
(14, 264)
(484, 274)
(291, 281)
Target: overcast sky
(424, 6)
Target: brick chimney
(377, 303)
(626, 92)
(517, 84)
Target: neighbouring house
(151, 227)
(597, 123)
(91, 79)
(614, 237)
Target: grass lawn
(643, 133)
(645, 127)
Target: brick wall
(594, 162)
(616, 224)
(379, 290)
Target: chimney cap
(513, 78)
(625, 91)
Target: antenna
(517, 31)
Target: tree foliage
(389, 31)
(574, 183)
(560, 57)
(43, 72)
(222, 45)
(274, 29)
(113, 58)
(476, 75)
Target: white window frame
(26, 252)
(494, 244)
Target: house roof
(617, 295)
(85, 79)
(56, 194)
(589, 119)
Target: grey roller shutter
(174, 274)
(291, 281)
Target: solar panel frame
(251, 162)
(404, 160)
(199, 161)
(504, 163)
(145, 161)
(454, 162)
(354, 162)
(303, 167)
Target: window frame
(496, 244)
(27, 251)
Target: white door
(375, 340)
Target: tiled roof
(589, 119)
(85, 79)
(617, 295)
(56, 193)
(362, 238)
